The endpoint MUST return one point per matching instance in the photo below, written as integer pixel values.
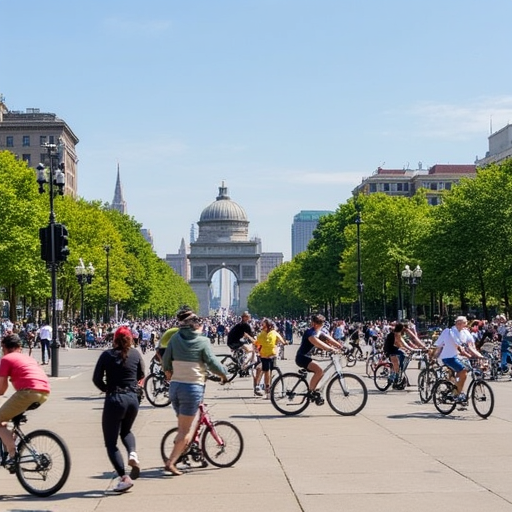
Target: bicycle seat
(303, 372)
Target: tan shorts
(20, 402)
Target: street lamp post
(54, 237)
(413, 279)
(84, 276)
(360, 285)
(107, 311)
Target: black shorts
(302, 361)
(267, 363)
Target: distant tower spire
(118, 203)
(192, 234)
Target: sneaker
(133, 462)
(258, 392)
(10, 464)
(461, 398)
(125, 483)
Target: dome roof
(223, 209)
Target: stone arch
(223, 242)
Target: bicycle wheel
(289, 394)
(222, 444)
(371, 363)
(231, 366)
(167, 443)
(43, 463)
(482, 398)
(382, 376)
(351, 360)
(156, 389)
(347, 395)
(443, 394)
(276, 374)
(426, 382)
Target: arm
(414, 339)
(4, 384)
(324, 342)
(98, 375)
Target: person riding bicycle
(315, 337)
(31, 384)
(241, 336)
(394, 346)
(450, 345)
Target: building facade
(304, 223)
(26, 133)
(405, 182)
(500, 147)
(223, 244)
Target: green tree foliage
(21, 210)
(279, 294)
(391, 233)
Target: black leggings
(119, 413)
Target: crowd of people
(185, 348)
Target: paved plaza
(396, 455)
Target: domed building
(223, 243)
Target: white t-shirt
(450, 339)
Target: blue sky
(290, 102)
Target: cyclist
(241, 336)
(31, 384)
(394, 346)
(450, 345)
(315, 337)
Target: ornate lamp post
(84, 276)
(413, 279)
(53, 238)
(360, 285)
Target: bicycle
(382, 376)
(218, 442)
(42, 463)
(156, 389)
(236, 365)
(480, 393)
(346, 393)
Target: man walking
(45, 335)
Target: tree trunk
(11, 290)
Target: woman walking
(117, 373)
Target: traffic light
(46, 244)
(61, 243)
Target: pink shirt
(24, 371)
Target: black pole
(107, 312)
(359, 278)
(81, 281)
(53, 268)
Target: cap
(461, 319)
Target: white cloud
(461, 121)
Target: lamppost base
(55, 359)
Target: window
(406, 187)
(448, 185)
(26, 140)
(433, 186)
(26, 158)
(42, 157)
(9, 141)
(42, 140)
(51, 139)
(373, 187)
(399, 187)
(385, 187)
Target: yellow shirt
(267, 342)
